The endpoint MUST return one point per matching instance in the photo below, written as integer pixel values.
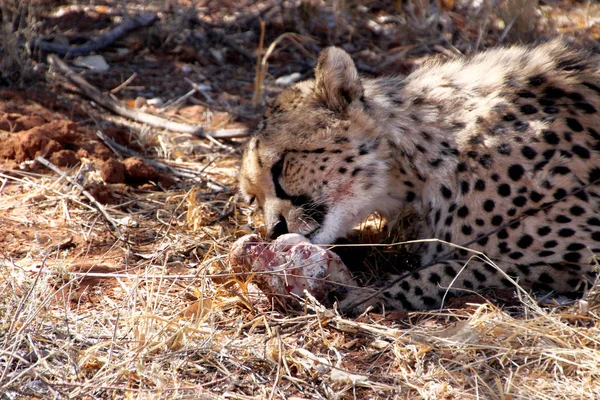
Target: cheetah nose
(278, 228)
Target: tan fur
(521, 121)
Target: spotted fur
(499, 152)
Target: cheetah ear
(337, 82)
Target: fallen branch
(98, 43)
(125, 111)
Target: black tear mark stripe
(313, 210)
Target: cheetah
(499, 153)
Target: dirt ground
(113, 265)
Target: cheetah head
(315, 165)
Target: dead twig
(98, 43)
(125, 111)
(87, 194)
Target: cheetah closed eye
(500, 151)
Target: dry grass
(156, 312)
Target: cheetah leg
(430, 286)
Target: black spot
(566, 232)
(553, 92)
(576, 211)
(429, 301)
(479, 276)
(506, 282)
(594, 221)
(550, 244)
(559, 194)
(450, 271)
(342, 170)
(562, 219)
(526, 94)
(356, 170)
(461, 167)
(546, 278)
(581, 195)
(528, 109)
(483, 241)
(521, 126)
(434, 278)
(550, 137)
(509, 117)
(528, 152)
(504, 149)
(447, 193)
(437, 217)
(582, 152)
(596, 236)
(594, 175)
(543, 231)
(525, 241)
(594, 133)
(560, 170)
(575, 246)
(519, 201)
(497, 220)
(591, 86)
(550, 110)
(464, 187)
(476, 139)
(515, 172)
(410, 196)
(463, 211)
(585, 107)
(479, 185)
(503, 234)
(537, 80)
(404, 301)
(349, 159)
(498, 129)
(575, 96)
(449, 220)
(467, 284)
(504, 190)
(485, 161)
(515, 255)
(421, 149)
(489, 205)
(436, 162)
(548, 154)
(574, 124)
(479, 222)
(466, 229)
(503, 247)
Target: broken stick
(98, 43)
(139, 116)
